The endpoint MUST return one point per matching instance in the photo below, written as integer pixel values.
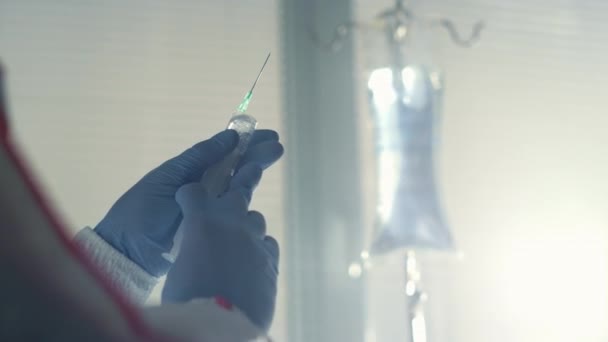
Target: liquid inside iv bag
(406, 111)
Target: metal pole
(416, 297)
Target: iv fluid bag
(406, 109)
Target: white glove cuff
(123, 273)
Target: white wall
(101, 92)
(523, 173)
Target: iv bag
(406, 110)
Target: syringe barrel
(217, 177)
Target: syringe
(217, 177)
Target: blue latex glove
(226, 252)
(143, 222)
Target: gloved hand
(143, 222)
(226, 252)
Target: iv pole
(396, 22)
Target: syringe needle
(260, 73)
(245, 103)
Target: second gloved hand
(142, 223)
(226, 252)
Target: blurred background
(102, 92)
